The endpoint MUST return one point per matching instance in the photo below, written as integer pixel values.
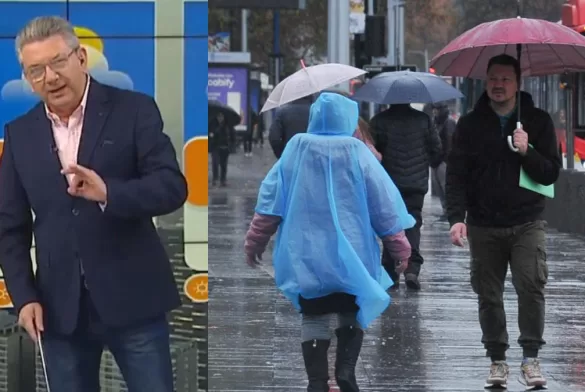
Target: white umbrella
(308, 81)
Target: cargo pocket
(541, 265)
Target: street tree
(474, 12)
(429, 25)
(303, 33)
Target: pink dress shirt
(67, 135)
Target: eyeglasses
(37, 73)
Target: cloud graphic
(114, 78)
(17, 90)
(99, 69)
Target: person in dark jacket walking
(504, 221)
(222, 141)
(409, 144)
(445, 126)
(288, 121)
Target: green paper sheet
(528, 183)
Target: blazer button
(75, 211)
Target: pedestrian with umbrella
(409, 144)
(222, 139)
(503, 162)
(294, 95)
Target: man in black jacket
(409, 144)
(288, 121)
(504, 221)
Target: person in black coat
(222, 141)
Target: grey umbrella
(405, 87)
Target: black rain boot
(349, 345)
(412, 281)
(316, 365)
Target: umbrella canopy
(405, 87)
(308, 81)
(232, 118)
(545, 48)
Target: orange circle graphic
(196, 288)
(5, 301)
(196, 167)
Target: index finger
(76, 169)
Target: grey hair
(42, 28)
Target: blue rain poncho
(334, 198)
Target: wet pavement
(426, 341)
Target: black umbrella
(232, 118)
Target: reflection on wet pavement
(427, 341)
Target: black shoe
(412, 281)
(316, 365)
(214, 183)
(349, 345)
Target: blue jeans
(142, 353)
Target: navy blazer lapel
(96, 113)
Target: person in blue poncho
(329, 199)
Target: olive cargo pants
(523, 248)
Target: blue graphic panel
(115, 19)
(195, 87)
(15, 14)
(115, 65)
(196, 19)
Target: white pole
(244, 30)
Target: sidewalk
(426, 341)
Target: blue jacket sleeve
(160, 187)
(16, 231)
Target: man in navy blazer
(93, 164)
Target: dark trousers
(248, 140)
(414, 205)
(141, 351)
(219, 162)
(260, 136)
(492, 250)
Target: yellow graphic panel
(195, 210)
(197, 288)
(5, 301)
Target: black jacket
(289, 120)
(445, 126)
(221, 136)
(409, 144)
(483, 173)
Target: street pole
(343, 52)
(276, 45)
(371, 13)
(391, 57)
(402, 51)
(570, 90)
(332, 30)
(244, 30)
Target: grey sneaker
(499, 372)
(531, 373)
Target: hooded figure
(329, 198)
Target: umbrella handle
(510, 140)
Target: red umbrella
(544, 48)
